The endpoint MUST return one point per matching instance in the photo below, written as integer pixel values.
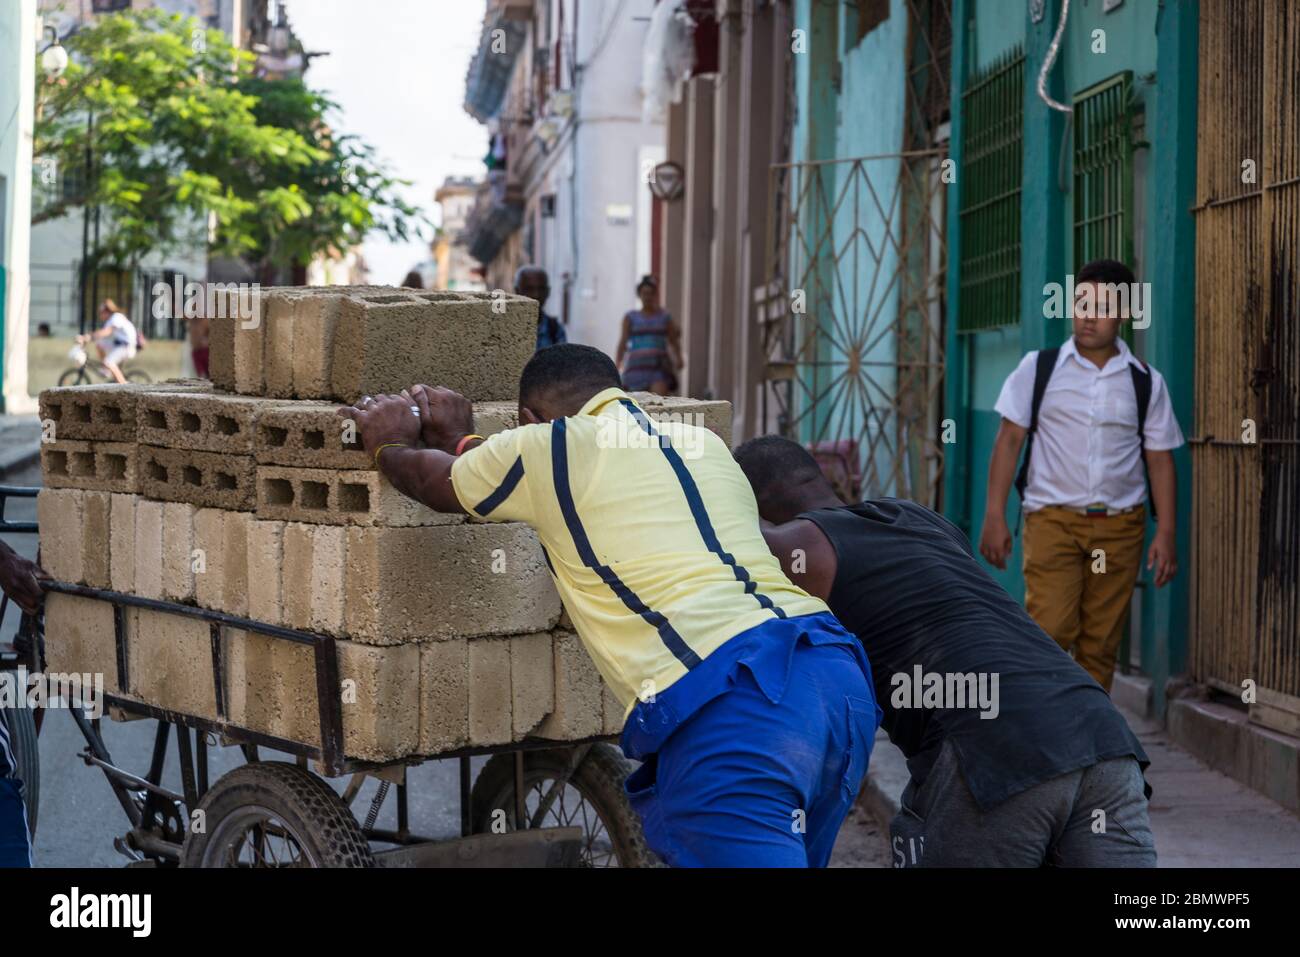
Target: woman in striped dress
(649, 349)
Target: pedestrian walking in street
(1012, 748)
(749, 705)
(1098, 429)
(649, 347)
(533, 282)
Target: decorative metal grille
(854, 334)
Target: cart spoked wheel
(591, 798)
(272, 814)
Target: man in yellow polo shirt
(750, 706)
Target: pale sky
(396, 68)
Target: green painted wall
(1156, 40)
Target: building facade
(18, 39)
(455, 267)
(878, 202)
(557, 83)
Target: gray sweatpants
(1094, 817)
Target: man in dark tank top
(1017, 756)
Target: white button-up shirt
(1086, 448)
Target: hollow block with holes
(103, 466)
(203, 479)
(205, 422)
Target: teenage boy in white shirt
(1104, 426)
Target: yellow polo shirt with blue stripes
(650, 529)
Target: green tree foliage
(171, 126)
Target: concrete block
(307, 435)
(60, 518)
(282, 333)
(122, 543)
(234, 562)
(79, 638)
(493, 417)
(178, 552)
(315, 318)
(578, 697)
(103, 466)
(335, 497)
(96, 539)
(202, 479)
(169, 662)
(265, 564)
(272, 689)
(209, 542)
(249, 342)
(104, 412)
(384, 343)
(532, 682)
(295, 599)
(446, 581)
(489, 691)
(148, 548)
(234, 308)
(277, 346)
(614, 713)
(222, 584)
(328, 578)
(221, 352)
(253, 693)
(444, 695)
(208, 422)
(381, 700)
(714, 414)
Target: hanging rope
(1051, 58)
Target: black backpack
(1043, 370)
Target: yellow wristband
(388, 445)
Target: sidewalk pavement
(1200, 817)
(20, 443)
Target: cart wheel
(273, 814)
(592, 799)
(21, 722)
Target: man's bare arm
(422, 474)
(1163, 553)
(806, 556)
(995, 538)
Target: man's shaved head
(785, 477)
(559, 379)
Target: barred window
(992, 135)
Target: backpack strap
(1142, 392)
(1043, 370)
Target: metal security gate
(853, 313)
(855, 344)
(1246, 456)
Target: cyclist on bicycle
(20, 580)
(117, 340)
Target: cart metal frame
(156, 812)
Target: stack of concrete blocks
(255, 500)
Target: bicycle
(86, 372)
